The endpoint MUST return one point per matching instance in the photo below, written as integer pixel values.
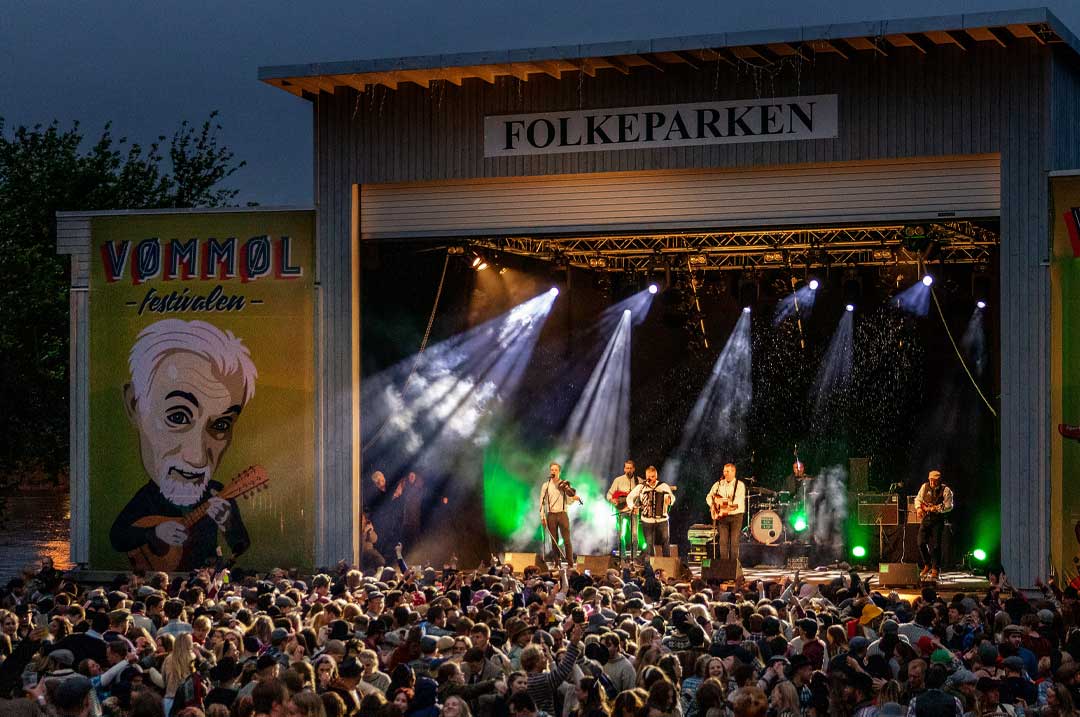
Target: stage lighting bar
(958, 242)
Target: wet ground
(31, 527)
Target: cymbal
(762, 491)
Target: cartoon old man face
(185, 420)
(190, 382)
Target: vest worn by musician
(933, 495)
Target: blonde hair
(179, 664)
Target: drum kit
(771, 512)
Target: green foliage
(48, 169)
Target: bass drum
(767, 527)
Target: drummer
(797, 480)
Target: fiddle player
(934, 501)
(617, 494)
(555, 497)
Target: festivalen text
(762, 120)
(183, 300)
(198, 259)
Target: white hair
(226, 353)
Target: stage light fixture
(814, 284)
(698, 260)
(773, 257)
(653, 288)
(927, 280)
(597, 262)
(746, 309)
(626, 312)
(478, 262)
(981, 304)
(883, 254)
(798, 522)
(455, 250)
(554, 291)
(849, 307)
(859, 551)
(979, 554)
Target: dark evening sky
(146, 66)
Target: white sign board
(775, 119)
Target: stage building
(901, 148)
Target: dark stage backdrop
(908, 407)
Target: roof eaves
(810, 33)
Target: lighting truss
(960, 242)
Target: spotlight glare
(981, 304)
(927, 280)
(483, 265)
(554, 291)
(849, 307)
(626, 312)
(798, 522)
(476, 262)
(653, 288)
(814, 285)
(746, 309)
(979, 554)
(859, 551)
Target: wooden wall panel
(985, 100)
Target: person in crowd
(607, 645)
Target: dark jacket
(202, 544)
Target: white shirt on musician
(622, 484)
(643, 490)
(731, 492)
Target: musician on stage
(555, 497)
(933, 502)
(625, 523)
(797, 480)
(727, 505)
(652, 499)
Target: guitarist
(624, 515)
(934, 501)
(727, 505)
(190, 381)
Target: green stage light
(979, 554)
(798, 522)
(859, 551)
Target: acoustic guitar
(720, 508)
(143, 557)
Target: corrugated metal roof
(881, 36)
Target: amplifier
(879, 508)
(700, 533)
(912, 518)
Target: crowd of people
(492, 642)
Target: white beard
(181, 492)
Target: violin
(568, 490)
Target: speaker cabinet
(720, 570)
(520, 561)
(897, 575)
(672, 567)
(595, 564)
